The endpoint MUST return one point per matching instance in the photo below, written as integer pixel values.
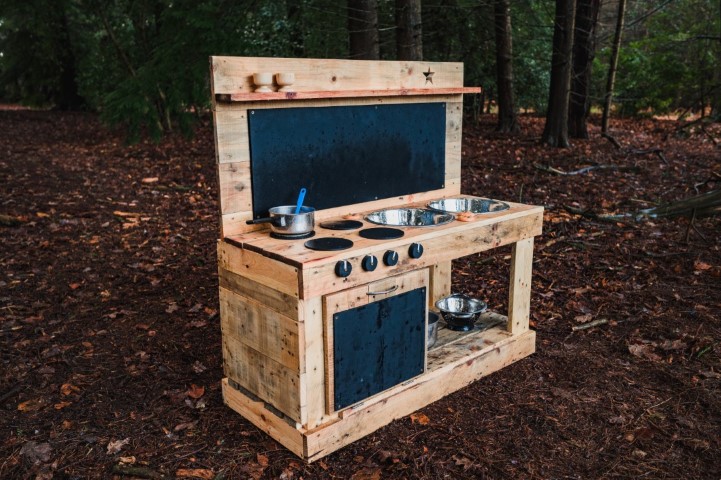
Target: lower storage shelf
(457, 359)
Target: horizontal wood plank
(313, 95)
(259, 268)
(234, 75)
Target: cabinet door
(375, 337)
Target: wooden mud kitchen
(324, 321)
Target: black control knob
(390, 258)
(343, 268)
(415, 250)
(369, 263)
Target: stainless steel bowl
(460, 311)
(432, 330)
(409, 217)
(473, 205)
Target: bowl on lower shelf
(460, 311)
(432, 330)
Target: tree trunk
(555, 133)
(363, 29)
(507, 116)
(613, 64)
(584, 46)
(409, 30)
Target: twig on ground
(588, 325)
(580, 171)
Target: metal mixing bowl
(409, 217)
(460, 311)
(473, 205)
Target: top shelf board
(311, 95)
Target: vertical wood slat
(519, 297)
(440, 281)
(312, 366)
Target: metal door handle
(392, 289)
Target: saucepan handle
(259, 220)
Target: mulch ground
(110, 358)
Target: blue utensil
(301, 197)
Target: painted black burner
(342, 224)
(298, 236)
(381, 233)
(329, 243)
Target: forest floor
(110, 344)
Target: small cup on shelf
(263, 81)
(285, 80)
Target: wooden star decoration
(429, 75)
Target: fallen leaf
(185, 426)
(147, 180)
(172, 308)
(203, 473)
(462, 461)
(32, 405)
(114, 446)
(420, 419)
(367, 473)
(643, 351)
(700, 266)
(36, 453)
(262, 460)
(196, 391)
(196, 324)
(61, 405)
(128, 460)
(68, 388)
(583, 318)
(74, 286)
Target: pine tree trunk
(507, 116)
(363, 29)
(555, 133)
(409, 30)
(613, 65)
(584, 46)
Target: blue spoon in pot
(301, 197)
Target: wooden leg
(519, 301)
(440, 282)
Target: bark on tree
(584, 49)
(409, 30)
(613, 65)
(507, 116)
(363, 29)
(555, 133)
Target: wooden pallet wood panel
(251, 323)
(259, 374)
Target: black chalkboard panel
(377, 346)
(345, 155)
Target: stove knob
(369, 263)
(343, 268)
(415, 250)
(390, 258)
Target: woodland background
(143, 64)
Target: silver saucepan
(284, 221)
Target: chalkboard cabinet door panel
(375, 337)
